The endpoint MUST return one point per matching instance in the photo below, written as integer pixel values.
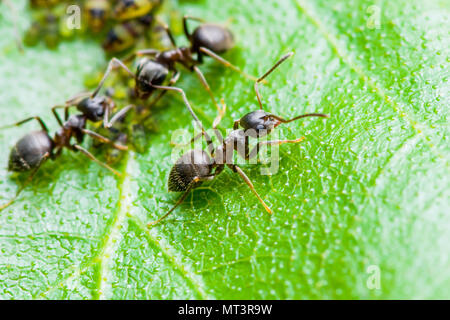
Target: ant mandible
(33, 149)
(209, 39)
(197, 166)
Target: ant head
(260, 121)
(93, 108)
(213, 37)
(149, 72)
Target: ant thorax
(72, 128)
(76, 122)
(181, 55)
(237, 140)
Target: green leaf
(367, 191)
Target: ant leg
(172, 81)
(27, 182)
(140, 53)
(236, 124)
(169, 33)
(104, 139)
(186, 102)
(118, 115)
(255, 150)
(194, 181)
(77, 98)
(188, 143)
(74, 101)
(185, 26)
(113, 64)
(110, 105)
(260, 79)
(205, 84)
(250, 184)
(191, 111)
(224, 107)
(226, 63)
(38, 119)
(106, 121)
(91, 156)
(66, 113)
(220, 115)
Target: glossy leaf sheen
(370, 186)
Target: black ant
(33, 149)
(207, 39)
(93, 107)
(197, 166)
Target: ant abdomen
(29, 151)
(213, 37)
(193, 164)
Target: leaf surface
(369, 188)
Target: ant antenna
(283, 58)
(167, 30)
(301, 116)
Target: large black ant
(197, 166)
(33, 149)
(207, 39)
